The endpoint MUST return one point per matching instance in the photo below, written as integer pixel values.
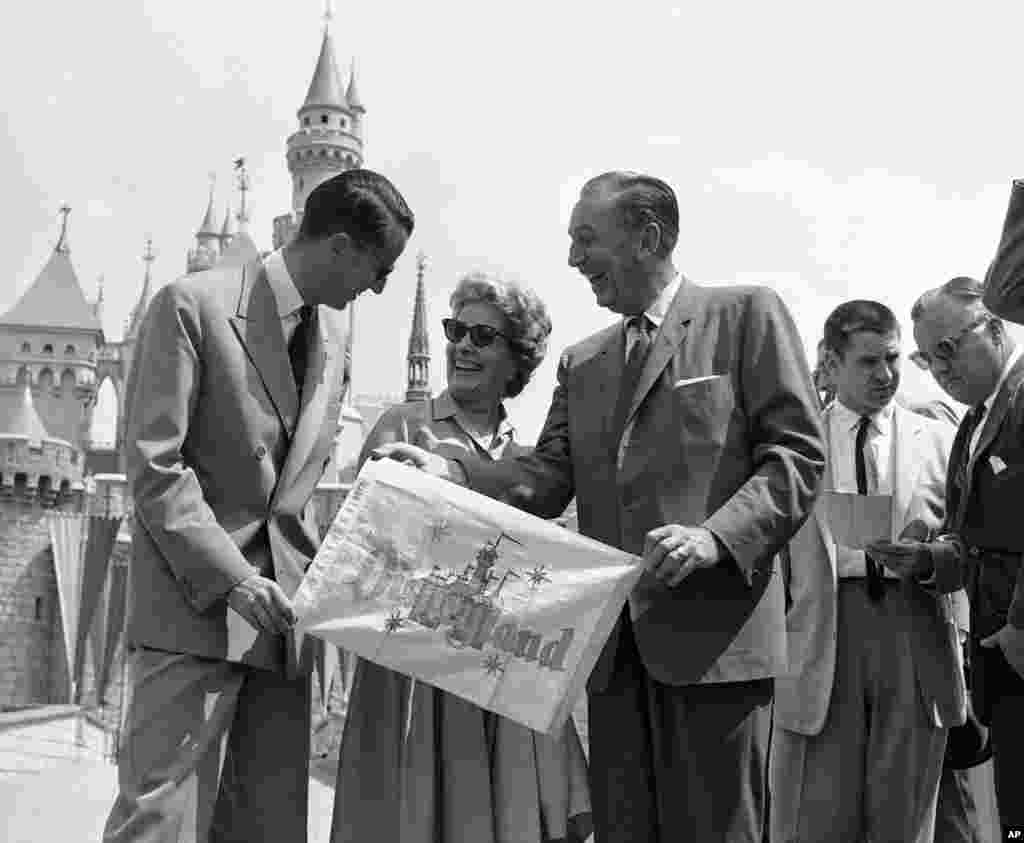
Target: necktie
(639, 328)
(970, 424)
(876, 587)
(298, 345)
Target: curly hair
(528, 320)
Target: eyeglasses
(948, 347)
(480, 335)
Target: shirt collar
(848, 420)
(444, 407)
(1011, 361)
(286, 294)
(658, 310)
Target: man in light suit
(233, 404)
(875, 675)
(688, 431)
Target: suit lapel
(321, 371)
(906, 433)
(258, 326)
(990, 425)
(609, 366)
(827, 483)
(672, 333)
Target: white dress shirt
(286, 294)
(655, 313)
(878, 454)
(1011, 361)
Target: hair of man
(854, 316)
(640, 200)
(360, 203)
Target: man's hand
(420, 455)
(906, 559)
(1011, 641)
(673, 552)
(263, 605)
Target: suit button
(261, 452)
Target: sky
(831, 153)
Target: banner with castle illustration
(465, 593)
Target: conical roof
(325, 88)
(352, 95)
(21, 419)
(55, 299)
(228, 229)
(139, 311)
(208, 225)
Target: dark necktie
(640, 328)
(970, 425)
(876, 587)
(298, 345)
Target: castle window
(23, 377)
(26, 348)
(305, 121)
(67, 380)
(45, 379)
(337, 153)
(69, 350)
(342, 122)
(323, 119)
(302, 183)
(39, 608)
(48, 349)
(323, 153)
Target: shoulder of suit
(216, 288)
(757, 296)
(588, 346)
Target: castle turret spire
(352, 94)
(418, 387)
(139, 311)
(62, 242)
(205, 253)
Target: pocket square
(998, 466)
(692, 381)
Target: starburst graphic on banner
(494, 665)
(538, 575)
(395, 622)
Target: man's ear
(650, 239)
(831, 360)
(341, 243)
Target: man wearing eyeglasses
(874, 681)
(972, 357)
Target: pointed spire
(62, 243)
(139, 311)
(208, 227)
(352, 95)
(97, 306)
(325, 88)
(227, 231)
(418, 386)
(243, 188)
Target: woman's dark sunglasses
(480, 335)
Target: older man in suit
(974, 359)
(688, 431)
(233, 407)
(875, 675)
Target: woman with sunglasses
(419, 765)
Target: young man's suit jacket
(921, 448)
(722, 432)
(223, 457)
(1004, 283)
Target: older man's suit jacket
(722, 432)
(223, 457)
(1004, 283)
(985, 515)
(921, 447)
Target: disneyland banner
(467, 594)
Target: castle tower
(227, 231)
(418, 388)
(131, 328)
(206, 250)
(329, 139)
(50, 340)
(240, 249)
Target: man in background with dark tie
(974, 359)
(874, 674)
